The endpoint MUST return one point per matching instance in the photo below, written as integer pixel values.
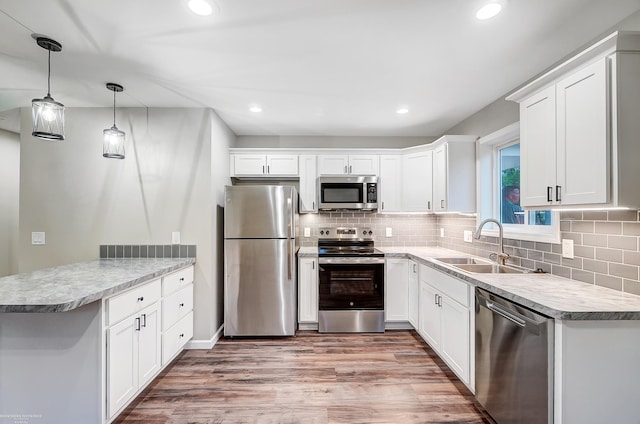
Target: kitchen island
(54, 326)
(596, 336)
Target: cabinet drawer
(177, 280)
(456, 289)
(174, 339)
(176, 306)
(132, 301)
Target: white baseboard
(205, 344)
(398, 325)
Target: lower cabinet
(413, 294)
(146, 327)
(444, 319)
(308, 291)
(396, 305)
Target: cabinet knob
(181, 335)
(182, 279)
(181, 305)
(141, 298)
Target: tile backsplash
(407, 229)
(108, 251)
(606, 247)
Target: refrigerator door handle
(289, 229)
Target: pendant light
(47, 114)
(113, 144)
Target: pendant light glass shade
(113, 144)
(47, 114)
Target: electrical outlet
(468, 236)
(389, 232)
(441, 232)
(307, 232)
(38, 238)
(175, 237)
(567, 248)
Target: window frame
(490, 192)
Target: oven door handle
(350, 260)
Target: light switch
(389, 232)
(307, 232)
(441, 232)
(37, 237)
(567, 248)
(175, 237)
(468, 236)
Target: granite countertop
(67, 287)
(557, 297)
(308, 252)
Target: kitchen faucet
(500, 257)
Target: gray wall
(175, 168)
(9, 200)
(330, 142)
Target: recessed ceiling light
(200, 7)
(402, 110)
(255, 109)
(489, 11)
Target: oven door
(351, 283)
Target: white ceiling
(317, 67)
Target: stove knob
(327, 232)
(321, 232)
(364, 233)
(370, 232)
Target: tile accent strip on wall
(109, 251)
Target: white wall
(165, 184)
(266, 141)
(9, 193)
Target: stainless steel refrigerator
(260, 295)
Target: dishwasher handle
(506, 315)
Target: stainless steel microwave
(348, 192)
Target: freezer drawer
(260, 296)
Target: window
(499, 180)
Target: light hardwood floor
(311, 378)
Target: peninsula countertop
(66, 287)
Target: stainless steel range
(351, 282)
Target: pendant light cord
(114, 108)
(49, 75)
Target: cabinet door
(396, 290)
(308, 184)
(429, 315)
(308, 290)
(364, 164)
(417, 182)
(390, 183)
(440, 178)
(455, 337)
(149, 347)
(333, 164)
(538, 148)
(583, 142)
(282, 165)
(122, 363)
(247, 164)
(414, 294)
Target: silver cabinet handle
(268, 171)
(414, 268)
(442, 203)
(137, 324)
(435, 299)
(263, 169)
(549, 189)
(144, 320)
(558, 199)
(313, 205)
(428, 204)
(440, 301)
(382, 205)
(345, 169)
(350, 169)
(313, 264)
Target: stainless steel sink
(490, 269)
(462, 261)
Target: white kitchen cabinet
(348, 164)
(578, 127)
(445, 319)
(454, 174)
(390, 184)
(414, 295)
(417, 181)
(133, 355)
(308, 184)
(247, 164)
(396, 305)
(177, 312)
(308, 290)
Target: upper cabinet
(390, 187)
(308, 193)
(417, 181)
(247, 164)
(348, 164)
(454, 174)
(579, 126)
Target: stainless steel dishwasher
(514, 361)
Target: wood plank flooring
(311, 378)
